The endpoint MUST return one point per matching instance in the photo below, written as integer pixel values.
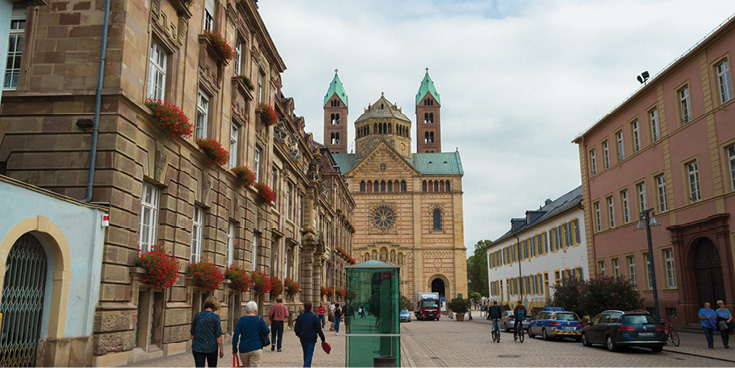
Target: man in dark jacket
(307, 328)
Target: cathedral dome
(382, 108)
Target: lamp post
(648, 219)
(520, 273)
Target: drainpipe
(98, 98)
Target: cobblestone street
(448, 343)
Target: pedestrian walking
(307, 328)
(707, 319)
(277, 314)
(724, 323)
(360, 312)
(206, 334)
(246, 338)
(337, 318)
(321, 311)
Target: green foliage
(566, 294)
(475, 296)
(404, 303)
(477, 269)
(593, 296)
(459, 305)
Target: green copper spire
(427, 85)
(336, 87)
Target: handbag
(264, 339)
(326, 347)
(331, 318)
(722, 325)
(236, 361)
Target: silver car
(405, 316)
(508, 321)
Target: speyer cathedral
(408, 205)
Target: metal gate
(708, 273)
(22, 302)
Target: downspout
(98, 98)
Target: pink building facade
(669, 147)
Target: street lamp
(520, 274)
(648, 219)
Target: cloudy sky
(518, 79)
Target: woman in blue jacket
(247, 333)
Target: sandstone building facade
(162, 189)
(408, 206)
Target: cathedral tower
(335, 116)
(382, 120)
(428, 121)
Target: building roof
(382, 108)
(438, 163)
(427, 85)
(551, 210)
(372, 264)
(336, 87)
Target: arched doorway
(437, 286)
(22, 302)
(708, 272)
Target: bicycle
(518, 332)
(496, 330)
(672, 335)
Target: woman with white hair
(247, 333)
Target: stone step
(692, 328)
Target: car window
(597, 318)
(545, 315)
(639, 319)
(615, 318)
(566, 317)
(605, 318)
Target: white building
(552, 247)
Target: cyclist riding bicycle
(494, 315)
(520, 314)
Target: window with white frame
(626, 206)
(230, 243)
(208, 15)
(731, 162)
(616, 267)
(196, 235)
(649, 273)
(693, 178)
(593, 161)
(234, 133)
(260, 86)
(641, 190)
(15, 47)
(289, 190)
(601, 268)
(634, 128)
(148, 217)
(256, 165)
(610, 211)
(606, 155)
(202, 115)
(653, 119)
(238, 56)
(157, 72)
(670, 271)
(632, 274)
(685, 105)
(620, 145)
(723, 80)
(598, 219)
(661, 189)
(254, 260)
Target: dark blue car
(556, 325)
(616, 329)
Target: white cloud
(518, 79)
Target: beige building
(408, 206)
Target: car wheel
(505, 327)
(657, 349)
(610, 344)
(531, 334)
(544, 335)
(585, 342)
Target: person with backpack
(520, 314)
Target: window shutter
(209, 6)
(19, 12)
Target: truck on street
(427, 306)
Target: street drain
(508, 356)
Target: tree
(566, 294)
(404, 303)
(605, 292)
(477, 269)
(475, 296)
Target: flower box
(276, 287)
(292, 287)
(265, 193)
(267, 113)
(169, 118)
(206, 274)
(260, 283)
(244, 175)
(246, 81)
(214, 151)
(221, 47)
(239, 277)
(161, 267)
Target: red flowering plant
(247, 81)
(276, 287)
(322, 291)
(291, 286)
(267, 113)
(239, 277)
(162, 268)
(265, 193)
(244, 175)
(221, 47)
(330, 291)
(206, 274)
(260, 283)
(214, 151)
(169, 117)
(341, 293)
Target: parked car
(616, 329)
(508, 321)
(405, 316)
(556, 324)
